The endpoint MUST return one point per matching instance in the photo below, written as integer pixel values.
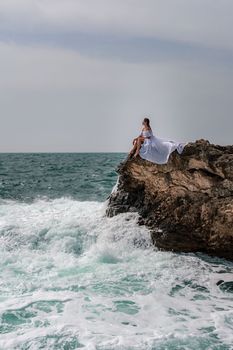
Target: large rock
(187, 203)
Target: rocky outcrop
(187, 203)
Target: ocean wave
(70, 277)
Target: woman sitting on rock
(151, 148)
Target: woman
(152, 148)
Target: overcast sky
(79, 75)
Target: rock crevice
(187, 203)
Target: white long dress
(158, 150)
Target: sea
(72, 278)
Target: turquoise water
(70, 278)
(82, 176)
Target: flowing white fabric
(158, 150)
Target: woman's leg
(134, 148)
(138, 146)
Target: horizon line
(59, 152)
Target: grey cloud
(136, 49)
(200, 22)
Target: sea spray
(69, 275)
(72, 278)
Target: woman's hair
(147, 122)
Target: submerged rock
(225, 286)
(187, 203)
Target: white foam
(113, 289)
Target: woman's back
(147, 133)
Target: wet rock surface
(187, 203)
